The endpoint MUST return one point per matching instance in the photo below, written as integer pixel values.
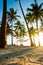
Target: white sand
(21, 56)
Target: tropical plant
(36, 13)
(33, 33)
(24, 19)
(30, 22)
(0, 25)
(9, 30)
(12, 16)
(3, 26)
(22, 12)
(19, 30)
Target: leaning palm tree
(12, 16)
(36, 13)
(33, 33)
(22, 12)
(31, 21)
(3, 26)
(24, 19)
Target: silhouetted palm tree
(30, 20)
(23, 30)
(0, 24)
(24, 19)
(9, 30)
(33, 33)
(12, 16)
(19, 30)
(3, 26)
(36, 13)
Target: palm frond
(29, 9)
(35, 2)
(40, 6)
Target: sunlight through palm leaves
(12, 16)
(35, 13)
(19, 30)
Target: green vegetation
(35, 13)
(19, 30)
(12, 25)
(12, 16)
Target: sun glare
(41, 38)
(27, 43)
(36, 40)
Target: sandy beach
(19, 55)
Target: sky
(15, 5)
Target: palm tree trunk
(17, 40)
(12, 35)
(20, 37)
(31, 40)
(3, 26)
(38, 32)
(34, 40)
(25, 21)
(12, 40)
(20, 40)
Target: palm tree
(3, 26)
(9, 30)
(23, 30)
(19, 30)
(25, 19)
(17, 27)
(33, 33)
(36, 13)
(22, 12)
(0, 25)
(30, 20)
(12, 16)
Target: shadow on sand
(14, 64)
(14, 54)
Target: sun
(41, 38)
(27, 43)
